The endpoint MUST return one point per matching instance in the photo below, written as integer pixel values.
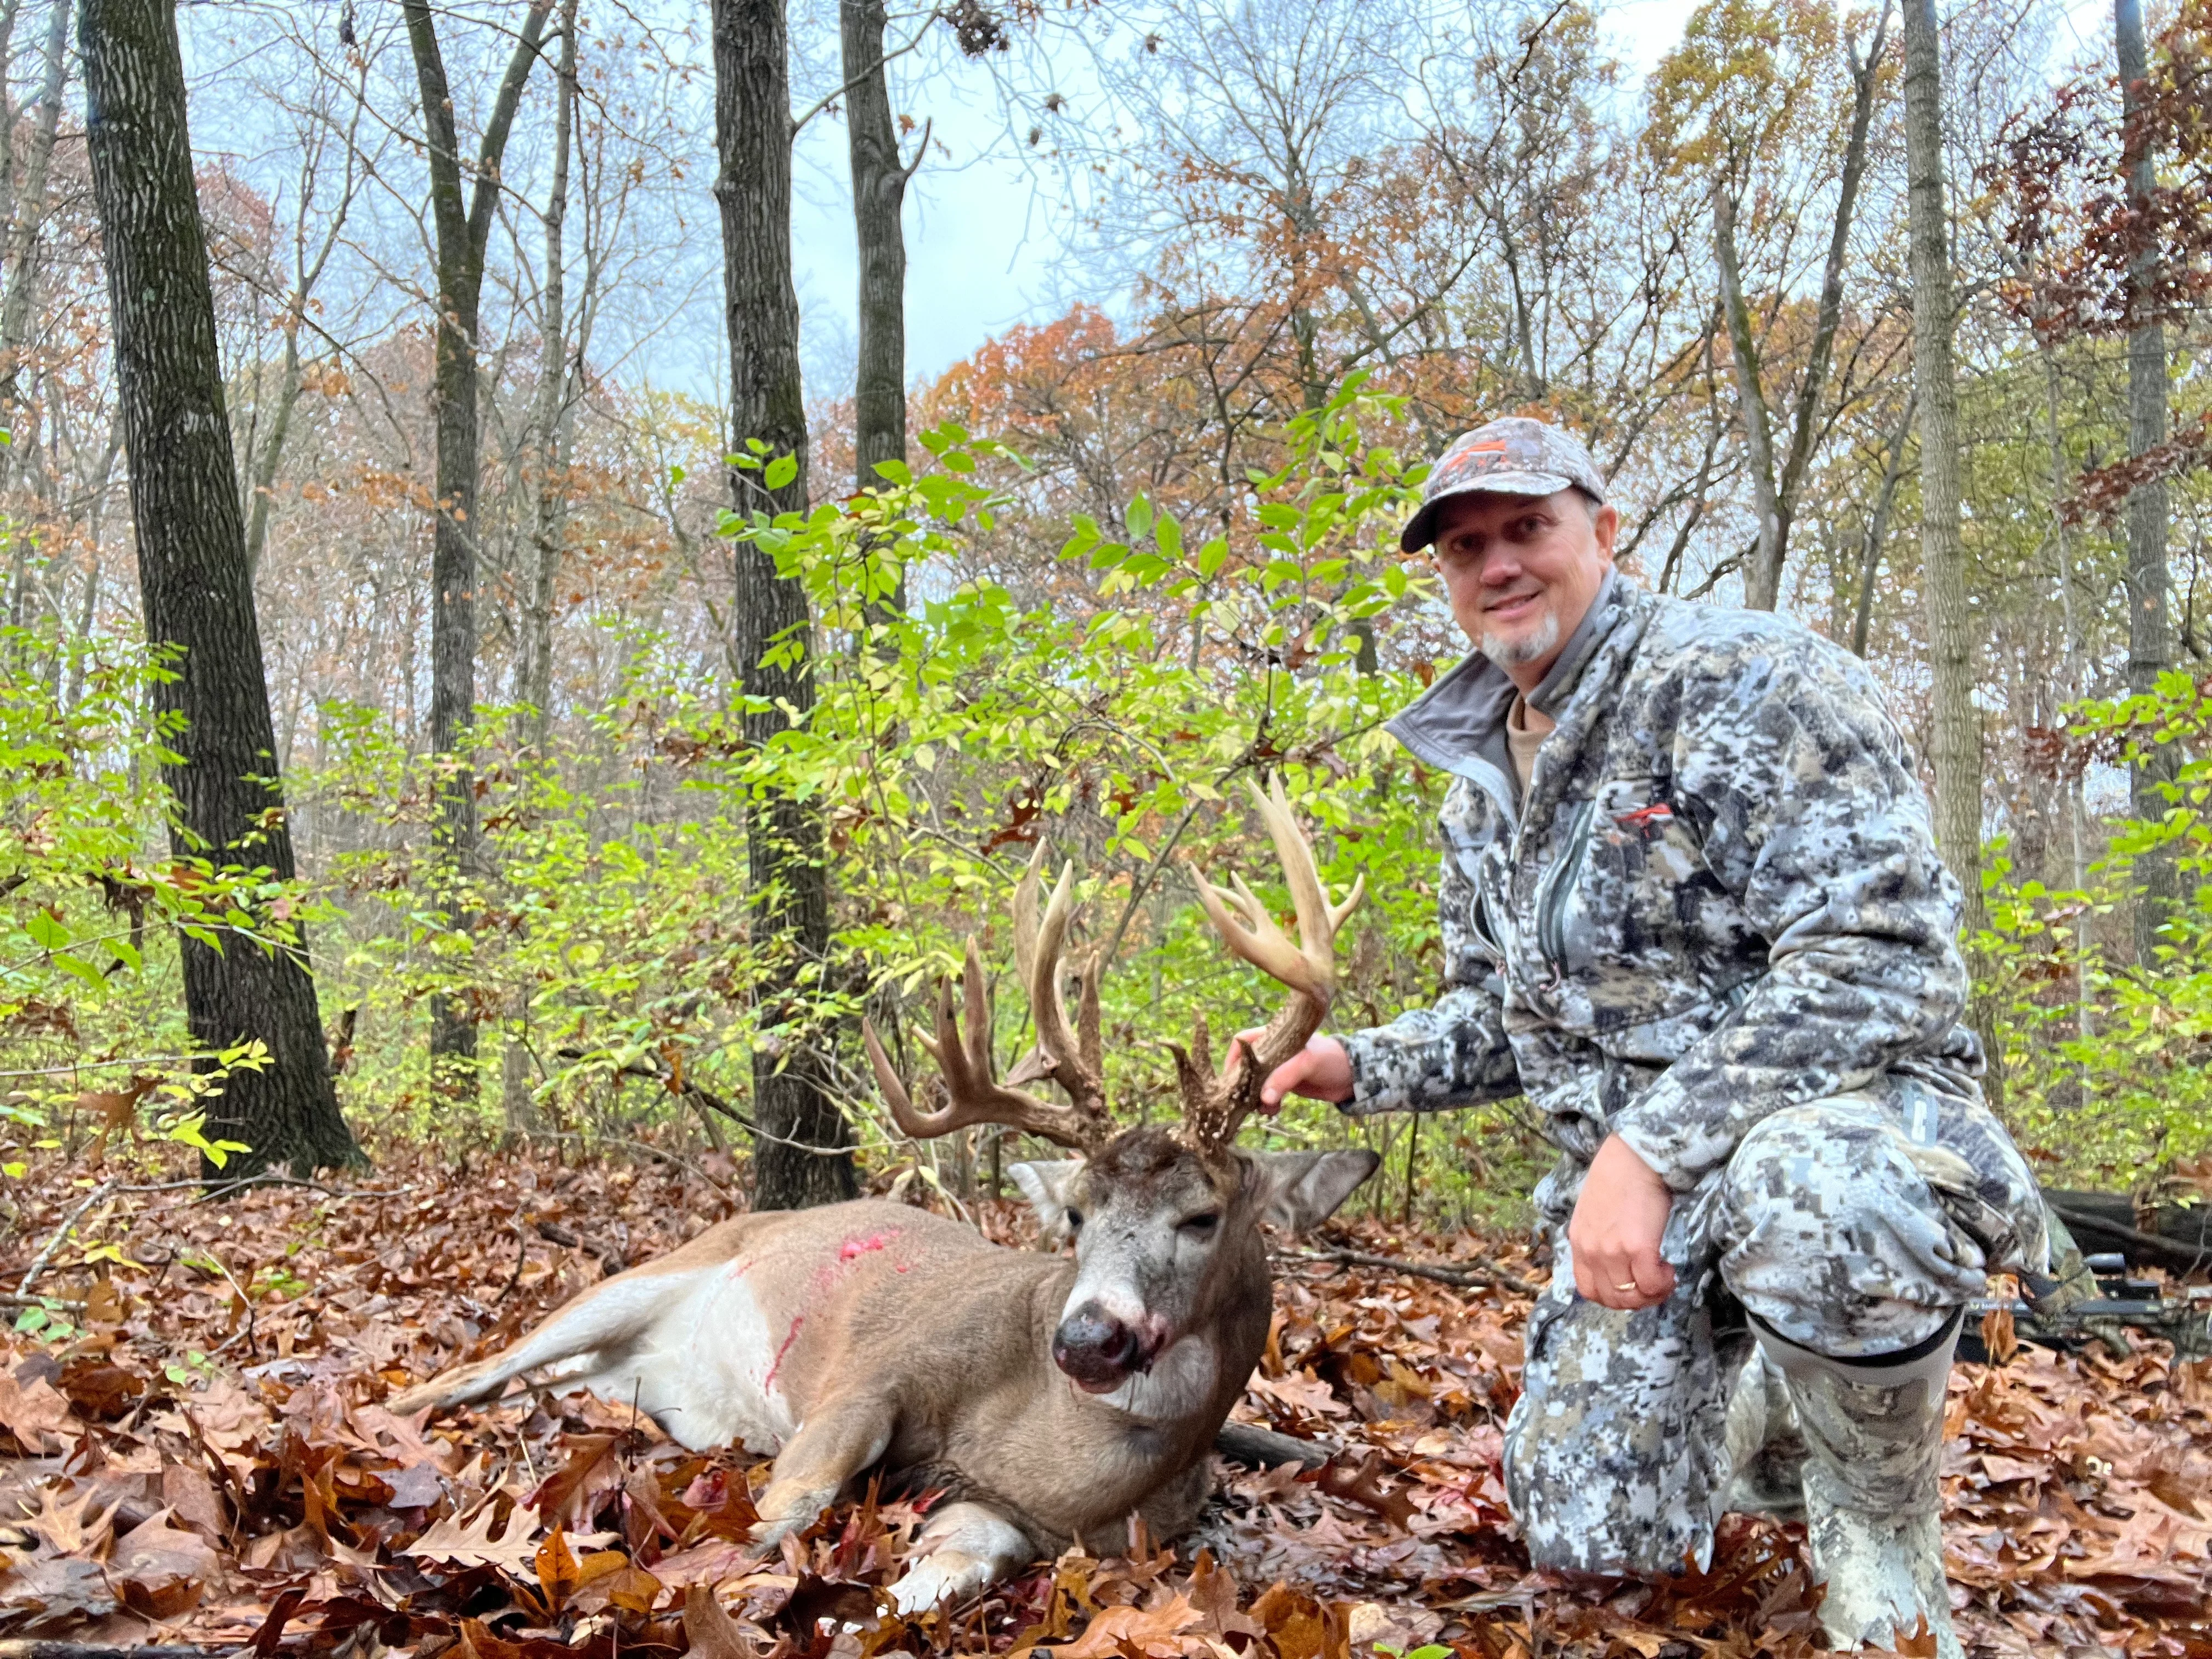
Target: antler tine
(1215, 1110)
(964, 1062)
(1025, 913)
(1071, 1059)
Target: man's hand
(1615, 1234)
(1322, 1070)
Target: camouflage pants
(1852, 1225)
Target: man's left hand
(1614, 1235)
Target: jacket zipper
(1556, 888)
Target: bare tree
(1776, 490)
(463, 219)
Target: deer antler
(1072, 1060)
(1214, 1109)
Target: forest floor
(200, 1455)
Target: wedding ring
(1628, 1286)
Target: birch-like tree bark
(790, 894)
(193, 580)
(1956, 753)
(2150, 632)
(462, 219)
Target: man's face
(1521, 571)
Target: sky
(983, 243)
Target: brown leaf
(712, 1632)
(471, 1545)
(569, 1496)
(63, 1521)
(34, 1412)
(191, 1496)
(1361, 1483)
(1998, 1336)
(161, 1571)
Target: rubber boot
(1765, 1449)
(1874, 1509)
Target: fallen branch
(1480, 1275)
(1264, 1449)
(2166, 1251)
(554, 1233)
(97, 1196)
(51, 1303)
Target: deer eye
(1074, 1219)
(1202, 1226)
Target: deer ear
(1046, 1185)
(1300, 1190)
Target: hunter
(1692, 909)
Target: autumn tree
(1746, 97)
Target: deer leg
(841, 1437)
(617, 1312)
(970, 1546)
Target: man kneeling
(1692, 907)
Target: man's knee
(1831, 1233)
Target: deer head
(1169, 1263)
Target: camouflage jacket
(1720, 898)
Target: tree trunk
(192, 576)
(2150, 640)
(1955, 755)
(463, 227)
(550, 422)
(879, 180)
(1762, 581)
(790, 902)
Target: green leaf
(780, 471)
(1139, 517)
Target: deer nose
(1096, 1349)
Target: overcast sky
(984, 245)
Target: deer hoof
(947, 1576)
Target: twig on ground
(521, 1259)
(245, 1302)
(1478, 1274)
(554, 1233)
(54, 1304)
(96, 1196)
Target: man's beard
(1530, 648)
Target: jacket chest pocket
(1630, 926)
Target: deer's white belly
(706, 1368)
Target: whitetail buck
(1049, 1398)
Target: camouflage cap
(1516, 456)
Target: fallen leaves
(274, 1500)
(471, 1544)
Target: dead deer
(1048, 1397)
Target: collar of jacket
(1458, 724)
